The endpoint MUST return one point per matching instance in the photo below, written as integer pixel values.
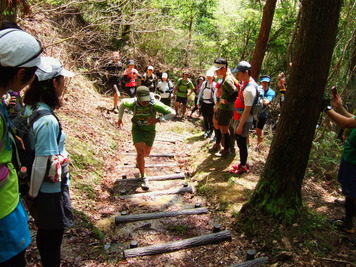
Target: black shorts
(224, 117)
(261, 123)
(182, 100)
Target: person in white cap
(206, 101)
(49, 181)
(149, 79)
(19, 59)
(165, 89)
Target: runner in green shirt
(181, 92)
(144, 121)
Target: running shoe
(236, 166)
(223, 153)
(144, 184)
(343, 225)
(240, 170)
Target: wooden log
(165, 140)
(178, 245)
(157, 215)
(173, 191)
(152, 155)
(155, 178)
(252, 263)
(152, 165)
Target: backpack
(23, 156)
(211, 92)
(257, 106)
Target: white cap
(150, 68)
(56, 67)
(210, 73)
(164, 75)
(19, 49)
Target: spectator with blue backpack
(19, 59)
(49, 178)
(243, 119)
(268, 96)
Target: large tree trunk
(261, 44)
(278, 191)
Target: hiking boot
(144, 184)
(209, 134)
(214, 148)
(240, 170)
(223, 153)
(343, 225)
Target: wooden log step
(256, 262)
(155, 178)
(165, 140)
(173, 191)
(178, 245)
(158, 215)
(152, 155)
(152, 165)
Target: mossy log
(178, 245)
(152, 165)
(173, 191)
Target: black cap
(219, 63)
(242, 66)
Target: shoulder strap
(2, 141)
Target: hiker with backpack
(129, 78)
(149, 79)
(268, 96)
(144, 120)
(165, 89)
(113, 67)
(181, 92)
(206, 102)
(227, 93)
(243, 119)
(19, 59)
(49, 178)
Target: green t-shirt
(139, 120)
(349, 153)
(183, 87)
(228, 88)
(9, 193)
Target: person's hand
(198, 105)
(239, 129)
(152, 121)
(223, 101)
(336, 101)
(120, 123)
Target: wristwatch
(327, 108)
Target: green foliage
(325, 157)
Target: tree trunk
(261, 44)
(278, 191)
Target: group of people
(47, 199)
(225, 104)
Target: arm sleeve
(38, 173)
(168, 112)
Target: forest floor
(97, 146)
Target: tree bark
(278, 191)
(261, 44)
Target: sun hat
(19, 49)
(56, 69)
(164, 75)
(265, 79)
(150, 68)
(242, 66)
(219, 63)
(143, 93)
